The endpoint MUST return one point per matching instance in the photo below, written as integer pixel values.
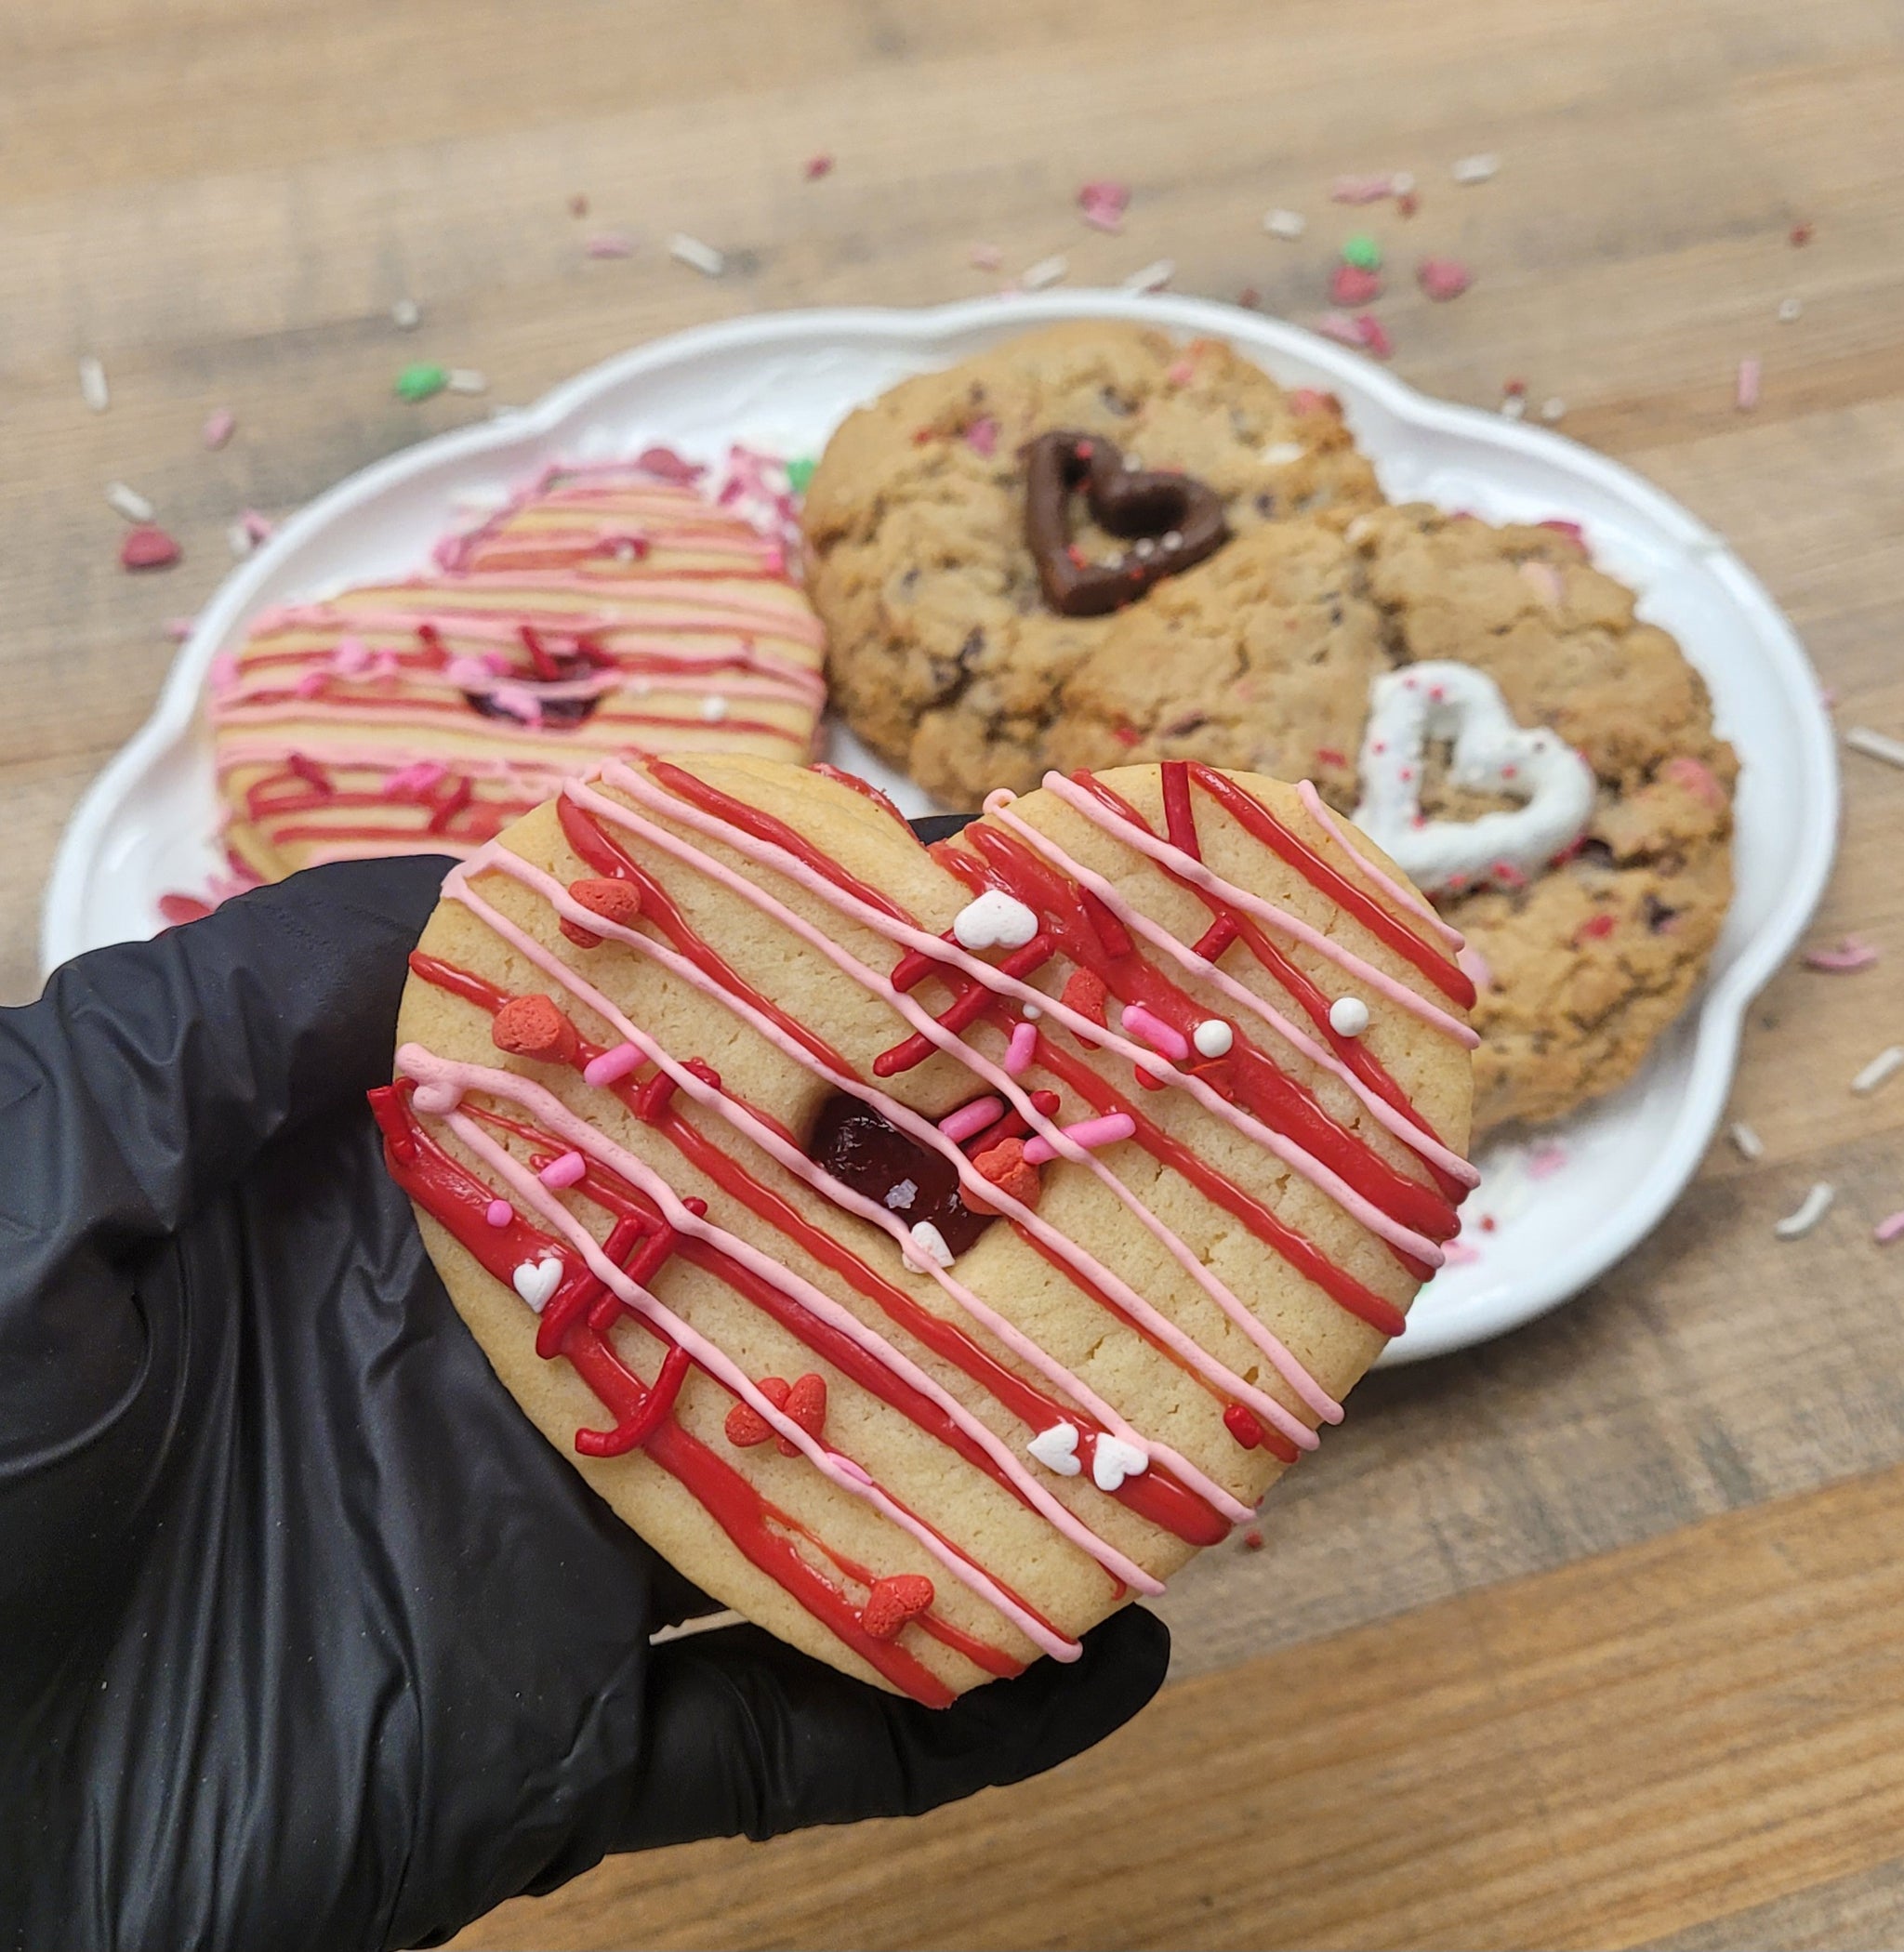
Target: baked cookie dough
(927, 1250)
(945, 654)
(1584, 962)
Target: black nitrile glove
(306, 1637)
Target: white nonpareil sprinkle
(1790, 310)
(1514, 407)
(1476, 169)
(1031, 1013)
(129, 502)
(1286, 224)
(1553, 409)
(1811, 1210)
(713, 708)
(92, 385)
(702, 257)
(241, 540)
(1153, 277)
(1348, 1016)
(932, 1244)
(1749, 1145)
(1047, 270)
(405, 315)
(1876, 745)
(1886, 1064)
(1281, 454)
(1213, 1038)
(1402, 183)
(466, 379)
(901, 1194)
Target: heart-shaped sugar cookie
(605, 609)
(1064, 1278)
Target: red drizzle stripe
(1180, 817)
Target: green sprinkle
(419, 382)
(798, 473)
(1363, 252)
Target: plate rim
(1718, 1013)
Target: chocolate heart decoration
(1171, 520)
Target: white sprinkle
(1747, 396)
(1749, 1145)
(1811, 1210)
(466, 379)
(1286, 224)
(1056, 1450)
(901, 1194)
(1402, 183)
(1476, 169)
(1113, 1460)
(1047, 270)
(700, 256)
(241, 540)
(1173, 539)
(92, 385)
(1281, 454)
(1514, 407)
(1153, 277)
(1884, 1065)
(535, 1281)
(1031, 1013)
(1213, 1038)
(1876, 745)
(405, 316)
(129, 502)
(713, 708)
(1133, 464)
(1790, 310)
(995, 921)
(1553, 409)
(1348, 1016)
(932, 1244)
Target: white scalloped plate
(1562, 1216)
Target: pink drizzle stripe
(1403, 897)
(420, 1064)
(1280, 919)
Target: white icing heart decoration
(1056, 1450)
(995, 921)
(1113, 1460)
(1492, 753)
(535, 1281)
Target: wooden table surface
(1583, 1639)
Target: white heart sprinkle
(535, 1281)
(995, 921)
(1348, 1016)
(1213, 1038)
(1113, 1460)
(1056, 1450)
(932, 1244)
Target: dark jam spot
(1660, 918)
(1594, 853)
(869, 1154)
(555, 712)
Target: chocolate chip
(1660, 918)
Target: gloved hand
(306, 1637)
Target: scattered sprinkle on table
(1376, 342)
(1513, 406)
(1047, 270)
(1745, 1142)
(1747, 395)
(1363, 190)
(466, 379)
(1362, 251)
(147, 547)
(1789, 310)
(1808, 1212)
(579, 204)
(1889, 1228)
(219, 425)
(1552, 408)
(1801, 235)
(607, 244)
(1286, 224)
(406, 315)
(1352, 285)
(240, 541)
(986, 257)
(1885, 1066)
(1153, 277)
(1851, 953)
(696, 255)
(422, 381)
(1876, 745)
(1443, 278)
(129, 502)
(1102, 204)
(93, 389)
(817, 166)
(1471, 170)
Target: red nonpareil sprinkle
(1352, 285)
(1801, 235)
(1102, 204)
(1243, 1425)
(607, 244)
(1515, 388)
(1850, 954)
(893, 1602)
(148, 547)
(1594, 929)
(1443, 278)
(1375, 341)
(1407, 205)
(535, 1027)
(309, 771)
(819, 167)
(982, 436)
(1250, 297)
(1252, 1540)
(579, 204)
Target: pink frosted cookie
(607, 610)
(929, 1249)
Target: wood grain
(223, 200)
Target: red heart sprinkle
(534, 1027)
(1084, 992)
(806, 1404)
(1352, 286)
(147, 547)
(1006, 1168)
(745, 1426)
(613, 900)
(894, 1600)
